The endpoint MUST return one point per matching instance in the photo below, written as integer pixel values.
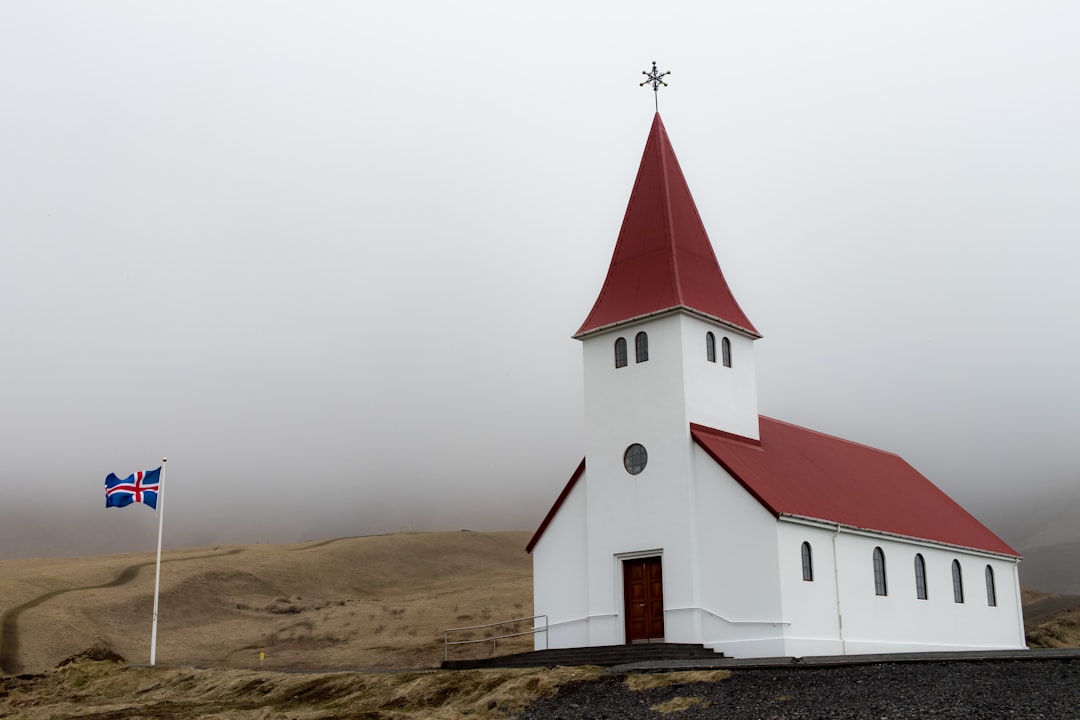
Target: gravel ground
(1028, 689)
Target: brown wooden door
(643, 599)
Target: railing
(495, 636)
(728, 620)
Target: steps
(603, 655)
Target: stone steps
(604, 655)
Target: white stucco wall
(635, 514)
(739, 601)
(560, 575)
(810, 606)
(900, 622)
(719, 397)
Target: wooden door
(643, 599)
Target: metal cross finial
(656, 79)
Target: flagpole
(157, 572)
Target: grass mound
(89, 688)
(95, 654)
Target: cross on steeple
(656, 79)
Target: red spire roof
(663, 259)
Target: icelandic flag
(137, 487)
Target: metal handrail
(495, 637)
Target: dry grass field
(369, 602)
(1051, 620)
(373, 603)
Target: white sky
(327, 256)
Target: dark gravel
(1029, 689)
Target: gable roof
(799, 473)
(663, 259)
(796, 472)
(558, 504)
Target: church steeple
(663, 260)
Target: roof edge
(804, 519)
(725, 434)
(753, 335)
(555, 508)
(695, 429)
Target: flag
(138, 487)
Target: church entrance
(643, 600)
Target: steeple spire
(663, 260)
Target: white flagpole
(157, 573)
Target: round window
(634, 458)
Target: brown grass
(101, 689)
(1061, 631)
(1051, 620)
(650, 681)
(372, 602)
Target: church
(693, 519)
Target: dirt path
(9, 630)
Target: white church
(693, 519)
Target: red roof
(798, 472)
(663, 259)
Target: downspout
(1019, 601)
(836, 587)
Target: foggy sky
(327, 256)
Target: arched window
(710, 347)
(725, 350)
(807, 562)
(991, 593)
(641, 347)
(920, 577)
(880, 588)
(620, 353)
(957, 582)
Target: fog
(327, 257)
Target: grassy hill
(369, 602)
(380, 601)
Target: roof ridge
(665, 143)
(831, 436)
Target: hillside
(368, 602)
(380, 601)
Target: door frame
(621, 588)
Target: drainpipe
(1019, 601)
(836, 586)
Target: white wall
(810, 606)
(560, 582)
(900, 622)
(740, 593)
(724, 398)
(636, 514)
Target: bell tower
(665, 344)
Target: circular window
(634, 458)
